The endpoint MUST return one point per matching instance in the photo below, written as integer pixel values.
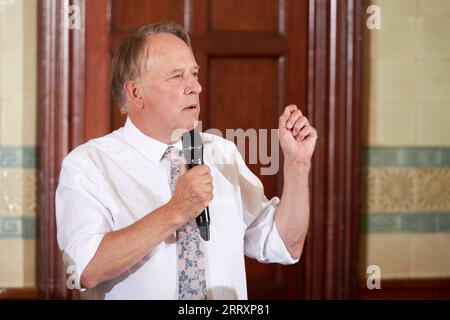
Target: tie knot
(172, 153)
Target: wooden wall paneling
(54, 138)
(98, 115)
(73, 105)
(333, 102)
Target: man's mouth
(191, 107)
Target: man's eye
(196, 74)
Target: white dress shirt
(111, 182)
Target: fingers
(299, 125)
(201, 170)
(285, 116)
(200, 174)
(293, 119)
(307, 132)
(295, 115)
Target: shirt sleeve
(81, 218)
(262, 240)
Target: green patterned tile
(421, 157)
(418, 223)
(17, 227)
(18, 157)
(406, 222)
(443, 224)
(380, 223)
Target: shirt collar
(150, 148)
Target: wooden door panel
(250, 104)
(131, 14)
(238, 15)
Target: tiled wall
(406, 211)
(18, 52)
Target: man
(126, 207)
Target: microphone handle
(203, 220)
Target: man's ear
(134, 93)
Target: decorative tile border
(18, 157)
(406, 189)
(17, 227)
(419, 157)
(17, 191)
(406, 222)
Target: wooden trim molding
(334, 62)
(60, 128)
(27, 293)
(408, 289)
(73, 107)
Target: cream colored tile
(30, 28)
(12, 77)
(395, 80)
(430, 255)
(433, 127)
(390, 252)
(11, 124)
(362, 256)
(433, 82)
(432, 37)
(18, 79)
(371, 41)
(396, 7)
(30, 4)
(29, 77)
(396, 38)
(368, 125)
(434, 8)
(12, 28)
(393, 124)
(29, 258)
(29, 125)
(11, 263)
(366, 106)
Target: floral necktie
(190, 245)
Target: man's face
(170, 86)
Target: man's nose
(193, 87)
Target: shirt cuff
(78, 257)
(277, 248)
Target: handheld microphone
(193, 153)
